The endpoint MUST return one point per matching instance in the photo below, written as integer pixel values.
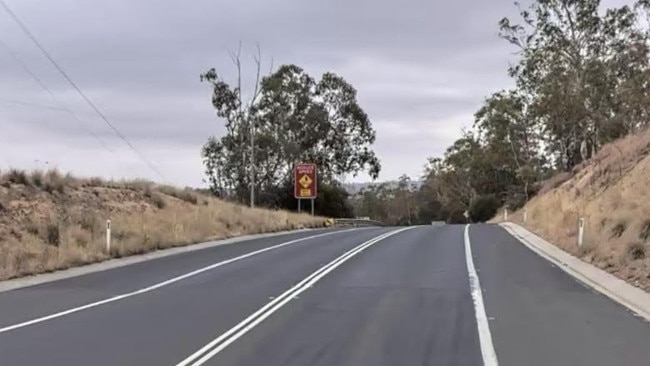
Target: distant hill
(354, 188)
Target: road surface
(371, 296)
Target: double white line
(159, 285)
(217, 345)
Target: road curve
(372, 296)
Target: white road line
(161, 284)
(217, 345)
(485, 338)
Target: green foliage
(581, 80)
(456, 217)
(392, 203)
(583, 71)
(293, 117)
(484, 208)
(332, 200)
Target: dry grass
(612, 192)
(51, 221)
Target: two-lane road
(374, 296)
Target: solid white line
(161, 284)
(485, 338)
(221, 342)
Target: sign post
(304, 183)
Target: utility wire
(74, 85)
(31, 105)
(40, 83)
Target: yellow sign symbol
(305, 181)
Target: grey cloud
(421, 69)
(406, 107)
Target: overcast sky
(421, 68)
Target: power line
(31, 105)
(40, 83)
(74, 85)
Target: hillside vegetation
(51, 221)
(611, 191)
(569, 139)
(580, 76)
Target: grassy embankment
(51, 221)
(611, 192)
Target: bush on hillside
(456, 217)
(484, 208)
(332, 200)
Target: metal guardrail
(353, 222)
(364, 222)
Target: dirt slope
(612, 193)
(51, 221)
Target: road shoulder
(633, 298)
(38, 279)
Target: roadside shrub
(636, 250)
(618, 230)
(37, 178)
(184, 195)
(148, 192)
(158, 201)
(456, 217)
(54, 181)
(644, 234)
(90, 222)
(484, 208)
(32, 228)
(52, 234)
(95, 182)
(16, 176)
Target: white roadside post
(505, 214)
(108, 236)
(525, 215)
(581, 232)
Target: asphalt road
(372, 296)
